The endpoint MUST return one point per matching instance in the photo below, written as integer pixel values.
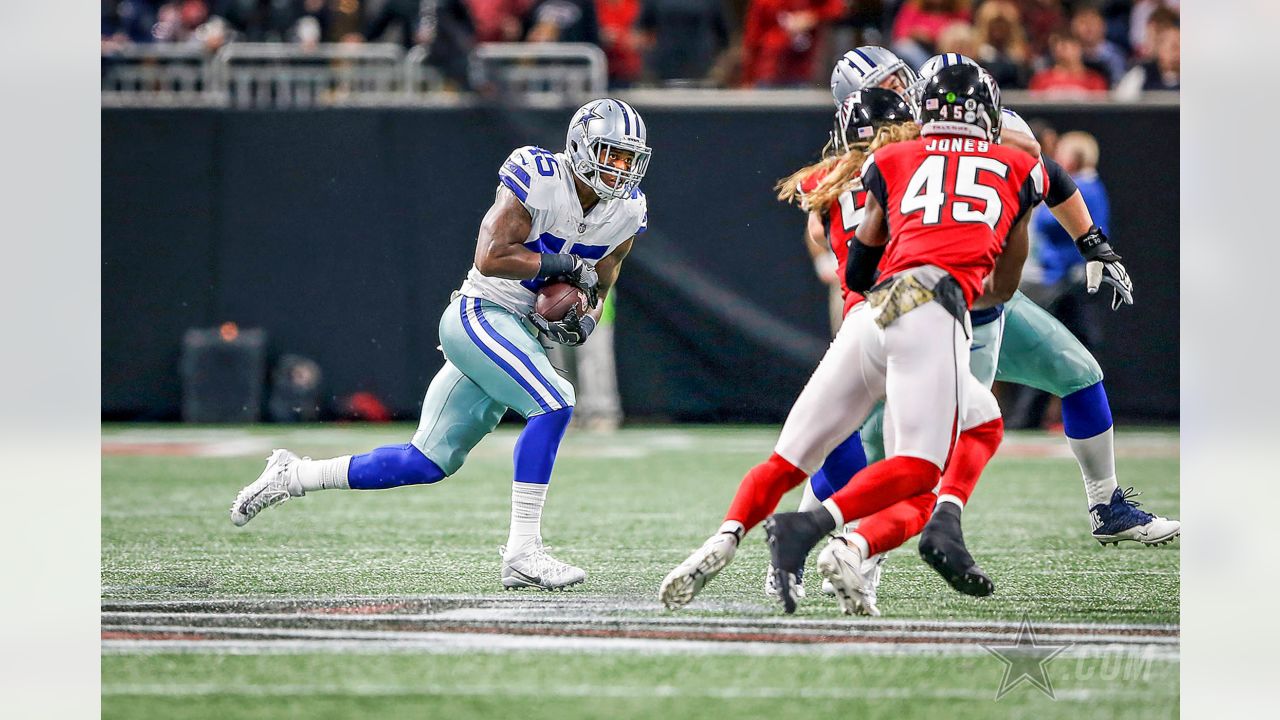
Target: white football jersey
(543, 181)
(1010, 120)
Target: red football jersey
(841, 220)
(951, 201)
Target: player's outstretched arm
(500, 250)
(1003, 281)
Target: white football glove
(1113, 273)
(1102, 265)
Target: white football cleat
(842, 563)
(771, 584)
(690, 576)
(870, 568)
(532, 567)
(277, 483)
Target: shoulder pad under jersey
(534, 175)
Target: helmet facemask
(593, 171)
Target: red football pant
(973, 451)
(881, 484)
(761, 489)
(896, 524)
(893, 526)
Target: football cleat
(871, 567)
(532, 567)
(942, 548)
(277, 483)
(771, 585)
(791, 536)
(689, 577)
(851, 576)
(1122, 520)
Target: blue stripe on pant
(498, 360)
(524, 360)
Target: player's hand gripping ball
(555, 300)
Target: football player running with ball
(957, 207)
(557, 217)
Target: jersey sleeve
(532, 175)
(1061, 186)
(1033, 190)
(1010, 120)
(873, 180)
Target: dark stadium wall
(343, 232)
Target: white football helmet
(601, 125)
(931, 68)
(867, 67)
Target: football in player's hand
(555, 300)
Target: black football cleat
(791, 536)
(942, 548)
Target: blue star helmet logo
(585, 119)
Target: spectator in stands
(1160, 73)
(1146, 20)
(499, 20)
(259, 20)
(684, 37)
(564, 21)
(1068, 74)
(622, 40)
(126, 21)
(1061, 287)
(859, 25)
(780, 40)
(442, 26)
(177, 21)
(958, 38)
(1002, 43)
(1100, 54)
(916, 29)
(1041, 19)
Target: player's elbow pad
(860, 271)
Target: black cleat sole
(971, 581)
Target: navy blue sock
(1086, 413)
(536, 448)
(842, 464)
(392, 466)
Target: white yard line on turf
(602, 691)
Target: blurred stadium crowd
(1057, 48)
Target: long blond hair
(841, 170)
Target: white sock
(949, 499)
(859, 542)
(835, 511)
(527, 500)
(1097, 459)
(324, 474)
(734, 527)
(809, 501)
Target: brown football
(555, 300)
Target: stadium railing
(279, 75)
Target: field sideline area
(388, 603)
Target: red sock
(884, 483)
(761, 489)
(897, 523)
(972, 453)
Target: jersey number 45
(925, 192)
